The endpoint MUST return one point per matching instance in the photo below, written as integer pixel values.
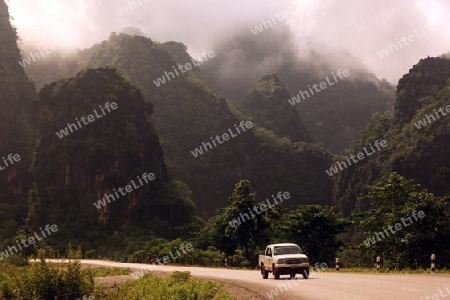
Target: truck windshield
(282, 250)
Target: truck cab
(281, 259)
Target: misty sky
(361, 27)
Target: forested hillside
(418, 136)
(187, 114)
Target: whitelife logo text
(91, 118)
(360, 156)
(124, 9)
(48, 49)
(430, 118)
(128, 189)
(282, 17)
(31, 241)
(391, 48)
(165, 260)
(323, 85)
(11, 158)
(397, 226)
(224, 136)
(187, 67)
(262, 206)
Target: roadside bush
(17, 260)
(206, 258)
(239, 261)
(353, 258)
(211, 257)
(44, 280)
(180, 285)
(178, 276)
(91, 254)
(6, 291)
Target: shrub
(44, 280)
(180, 285)
(238, 261)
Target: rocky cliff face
(16, 138)
(96, 138)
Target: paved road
(321, 286)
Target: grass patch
(105, 272)
(179, 285)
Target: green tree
(213, 234)
(393, 200)
(249, 231)
(314, 228)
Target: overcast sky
(361, 27)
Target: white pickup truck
(283, 259)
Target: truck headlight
(281, 261)
(305, 260)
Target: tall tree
(423, 223)
(244, 224)
(314, 228)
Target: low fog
(347, 31)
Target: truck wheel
(264, 273)
(305, 273)
(276, 275)
(292, 275)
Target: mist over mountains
(246, 56)
(360, 28)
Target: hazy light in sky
(361, 28)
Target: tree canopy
(405, 224)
